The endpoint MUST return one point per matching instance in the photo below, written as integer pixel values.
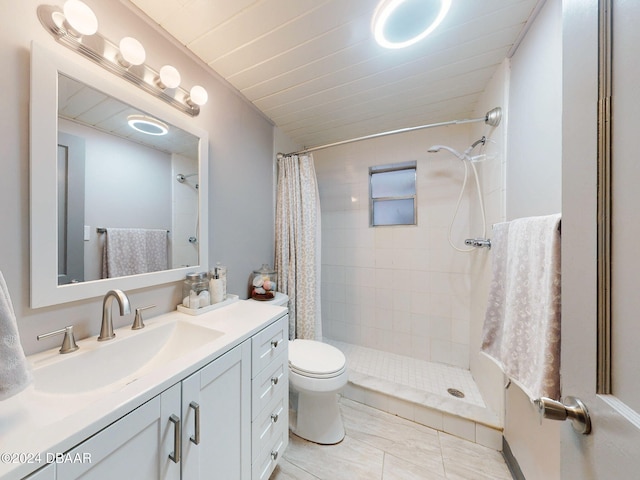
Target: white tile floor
(382, 446)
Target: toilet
(317, 373)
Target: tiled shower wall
(401, 289)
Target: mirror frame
(43, 126)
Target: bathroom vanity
(188, 397)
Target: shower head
(437, 148)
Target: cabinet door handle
(274, 417)
(275, 343)
(274, 455)
(195, 438)
(175, 455)
(274, 380)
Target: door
(601, 176)
(129, 448)
(71, 158)
(216, 413)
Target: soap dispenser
(216, 287)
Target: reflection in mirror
(90, 171)
(128, 200)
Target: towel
(130, 251)
(521, 331)
(15, 374)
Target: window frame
(411, 165)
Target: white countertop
(34, 422)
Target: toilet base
(318, 418)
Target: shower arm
(482, 141)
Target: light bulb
(387, 19)
(169, 77)
(131, 52)
(79, 18)
(198, 96)
(148, 125)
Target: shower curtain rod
(492, 118)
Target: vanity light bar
(105, 53)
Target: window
(392, 191)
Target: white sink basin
(115, 363)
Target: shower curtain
(298, 244)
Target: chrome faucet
(106, 329)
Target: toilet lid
(315, 359)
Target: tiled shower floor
(417, 390)
(410, 372)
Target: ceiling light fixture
(401, 23)
(75, 19)
(148, 125)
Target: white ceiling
(83, 104)
(313, 67)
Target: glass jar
(195, 290)
(263, 283)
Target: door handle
(175, 455)
(572, 409)
(195, 438)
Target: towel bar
(104, 230)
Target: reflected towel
(15, 374)
(522, 325)
(130, 251)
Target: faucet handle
(68, 342)
(137, 321)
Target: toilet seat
(314, 359)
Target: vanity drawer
(268, 344)
(271, 383)
(267, 426)
(270, 455)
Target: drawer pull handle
(275, 343)
(274, 417)
(175, 455)
(274, 455)
(195, 438)
(274, 380)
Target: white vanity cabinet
(132, 447)
(227, 420)
(216, 410)
(269, 397)
(198, 429)
(45, 473)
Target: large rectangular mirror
(99, 187)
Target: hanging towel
(130, 251)
(522, 324)
(15, 374)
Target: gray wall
(534, 187)
(240, 170)
(534, 169)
